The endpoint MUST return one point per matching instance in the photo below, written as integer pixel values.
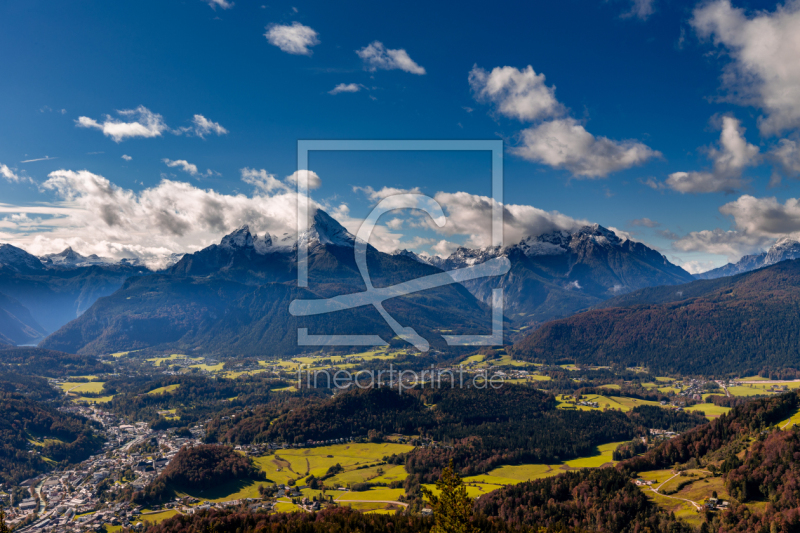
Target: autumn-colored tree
(3, 527)
(452, 508)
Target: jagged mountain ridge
(233, 298)
(559, 273)
(783, 250)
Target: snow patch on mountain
(18, 259)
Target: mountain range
(233, 298)
(783, 250)
(38, 296)
(560, 273)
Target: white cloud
(520, 94)
(395, 224)
(697, 267)
(640, 9)
(202, 127)
(11, 176)
(312, 179)
(444, 248)
(734, 154)
(346, 88)
(185, 166)
(45, 158)
(786, 154)
(384, 192)
(293, 39)
(126, 157)
(732, 244)
(470, 214)
(378, 57)
(224, 4)
(764, 48)
(757, 223)
(263, 180)
(565, 143)
(144, 123)
(93, 215)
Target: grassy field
(604, 402)
(156, 518)
(710, 410)
(92, 386)
(513, 474)
(209, 368)
(157, 361)
(230, 491)
(101, 399)
(297, 463)
(163, 390)
(791, 421)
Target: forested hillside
(482, 428)
(738, 325)
(59, 436)
(197, 468)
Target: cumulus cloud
(565, 143)
(640, 9)
(697, 267)
(143, 123)
(262, 180)
(758, 222)
(126, 157)
(471, 215)
(187, 167)
(346, 88)
(10, 175)
(732, 244)
(645, 222)
(313, 180)
(224, 4)
(293, 39)
(93, 215)
(786, 155)
(201, 127)
(763, 47)
(377, 57)
(733, 155)
(520, 94)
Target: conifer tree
(452, 508)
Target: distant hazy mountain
(234, 298)
(782, 250)
(55, 294)
(560, 273)
(739, 324)
(17, 326)
(70, 258)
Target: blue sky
(621, 97)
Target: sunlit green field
(604, 402)
(163, 390)
(710, 410)
(92, 386)
(297, 463)
(513, 474)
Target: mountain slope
(560, 273)
(234, 298)
(55, 294)
(732, 325)
(783, 250)
(17, 325)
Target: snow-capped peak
(18, 259)
(241, 238)
(326, 230)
